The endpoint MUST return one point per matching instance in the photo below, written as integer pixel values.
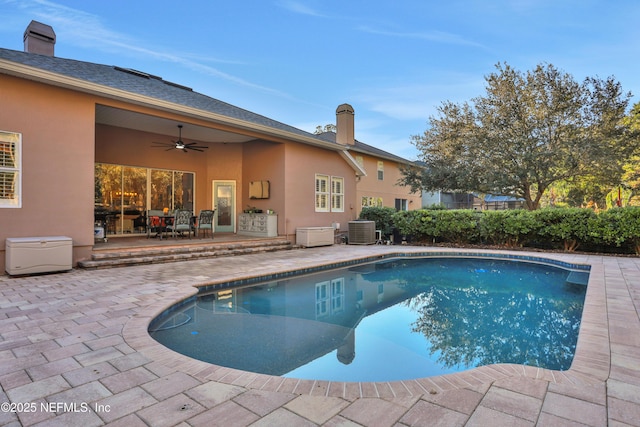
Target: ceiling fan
(180, 144)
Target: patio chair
(181, 222)
(205, 221)
(155, 222)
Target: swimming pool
(395, 319)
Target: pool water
(395, 319)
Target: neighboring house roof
(501, 199)
(361, 147)
(117, 82)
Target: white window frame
(322, 193)
(337, 194)
(11, 142)
(380, 170)
(372, 202)
(402, 204)
(337, 295)
(329, 193)
(323, 299)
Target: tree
(325, 128)
(631, 175)
(529, 131)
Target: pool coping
(591, 364)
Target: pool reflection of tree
(470, 327)
(524, 320)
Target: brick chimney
(345, 133)
(39, 38)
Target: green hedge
(382, 216)
(615, 230)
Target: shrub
(566, 226)
(418, 223)
(457, 226)
(382, 216)
(511, 228)
(618, 227)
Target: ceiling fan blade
(196, 149)
(193, 146)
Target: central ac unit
(362, 232)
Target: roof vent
(39, 38)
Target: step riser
(181, 250)
(144, 259)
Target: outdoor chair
(205, 221)
(181, 223)
(155, 222)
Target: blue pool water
(391, 320)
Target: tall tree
(326, 128)
(631, 175)
(528, 132)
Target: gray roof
(361, 147)
(145, 84)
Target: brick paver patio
(74, 351)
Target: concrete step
(157, 255)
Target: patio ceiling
(153, 124)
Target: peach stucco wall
(302, 163)
(388, 188)
(57, 163)
(264, 161)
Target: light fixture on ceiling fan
(180, 144)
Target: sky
(295, 61)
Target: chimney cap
(344, 108)
(39, 38)
(39, 29)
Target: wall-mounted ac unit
(362, 232)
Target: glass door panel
(108, 196)
(224, 200)
(183, 190)
(134, 200)
(161, 189)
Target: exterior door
(224, 202)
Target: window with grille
(322, 193)
(380, 171)
(402, 205)
(337, 194)
(329, 193)
(10, 169)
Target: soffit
(153, 124)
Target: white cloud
(433, 36)
(300, 8)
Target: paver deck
(74, 351)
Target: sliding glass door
(123, 194)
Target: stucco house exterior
(379, 187)
(77, 137)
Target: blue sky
(296, 60)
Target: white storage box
(314, 236)
(29, 255)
